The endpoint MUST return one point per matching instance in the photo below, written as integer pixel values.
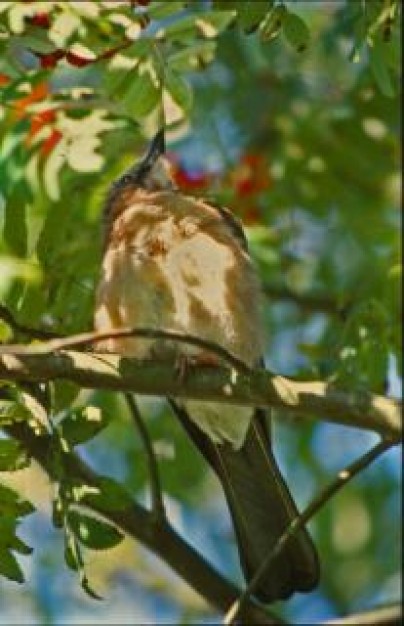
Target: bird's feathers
(178, 263)
(261, 508)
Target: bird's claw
(184, 361)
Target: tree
(287, 113)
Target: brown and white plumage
(176, 262)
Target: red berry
(40, 19)
(190, 180)
(49, 143)
(251, 176)
(51, 59)
(4, 80)
(38, 120)
(78, 61)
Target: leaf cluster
(293, 111)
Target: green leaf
(36, 40)
(110, 496)
(74, 560)
(182, 30)
(360, 32)
(139, 49)
(296, 31)
(64, 394)
(365, 351)
(142, 93)
(379, 67)
(179, 89)
(58, 512)
(11, 411)
(9, 567)
(83, 424)
(271, 26)
(15, 225)
(8, 525)
(208, 24)
(11, 146)
(6, 334)
(89, 590)
(9, 541)
(72, 552)
(18, 545)
(212, 23)
(12, 456)
(52, 234)
(161, 10)
(12, 504)
(93, 532)
(9, 66)
(251, 13)
(33, 301)
(193, 57)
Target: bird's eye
(126, 179)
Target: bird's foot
(203, 358)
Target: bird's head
(153, 171)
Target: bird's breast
(173, 263)
(178, 268)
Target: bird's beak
(156, 149)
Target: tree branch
(237, 384)
(322, 400)
(156, 534)
(344, 476)
(27, 331)
(85, 339)
(155, 485)
(384, 616)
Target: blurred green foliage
(288, 113)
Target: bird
(176, 262)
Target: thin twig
(389, 615)
(34, 333)
(155, 484)
(137, 522)
(317, 503)
(83, 339)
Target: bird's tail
(261, 508)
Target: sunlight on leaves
(78, 147)
(93, 532)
